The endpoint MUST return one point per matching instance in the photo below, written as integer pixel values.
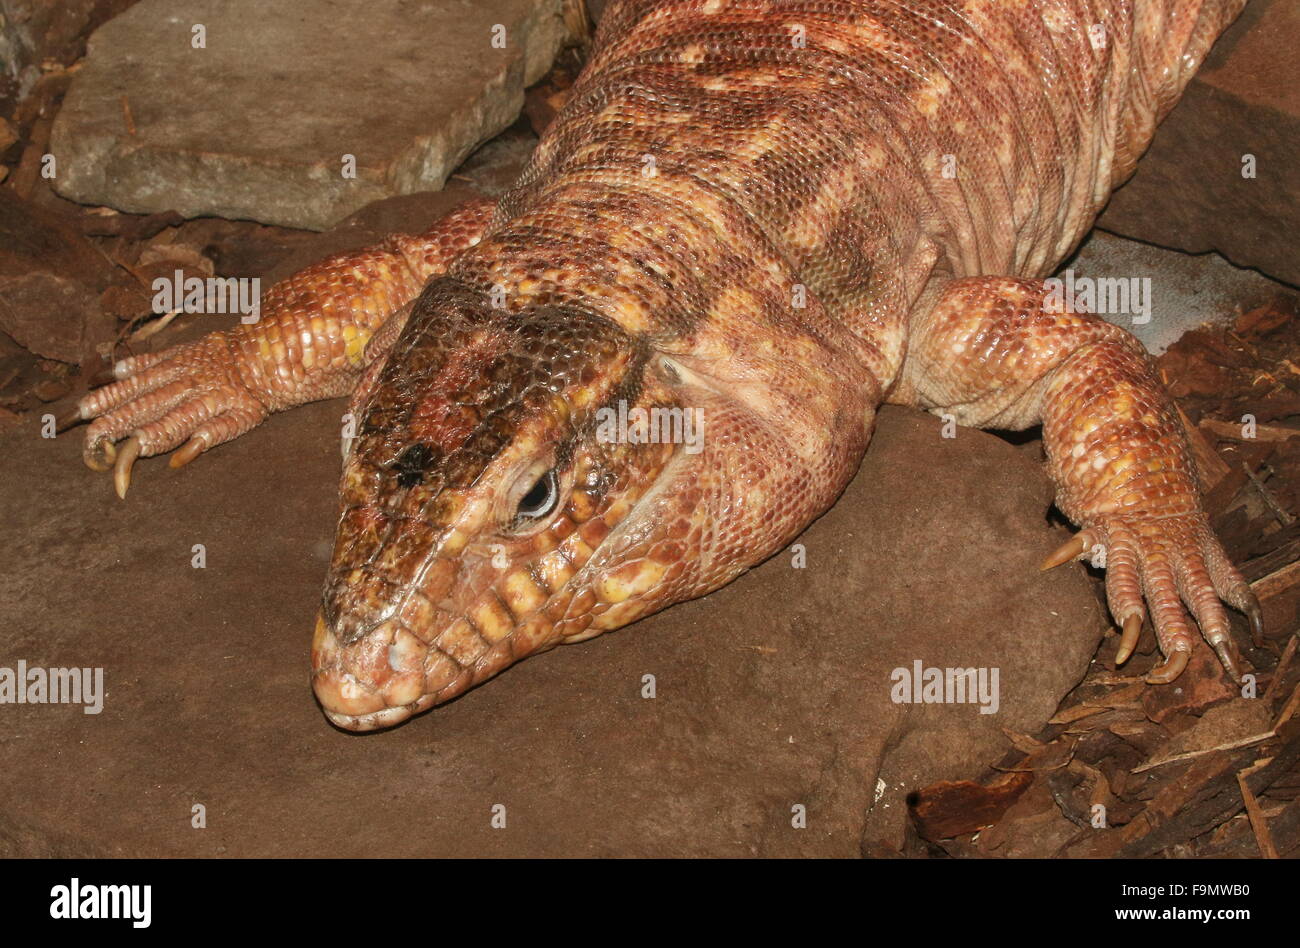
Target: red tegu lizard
(777, 215)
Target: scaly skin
(777, 214)
(312, 344)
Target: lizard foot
(1158, 564)
(190, 396)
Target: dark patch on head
(462, 378)
(412, 463)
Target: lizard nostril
(351, 612)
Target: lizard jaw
(373, 721)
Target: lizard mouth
(373, 721)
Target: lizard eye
(540, 499)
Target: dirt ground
(208, 700)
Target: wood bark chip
(954, 808)
(1257, 821)
(1233, 431)
(1283, 666)
(1283, 516)
(1211, 467)
(1206, 796)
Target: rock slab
(256, 122)
(1189, 192)
(771, 694)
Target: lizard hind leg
(998, 352)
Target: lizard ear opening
(669, 371)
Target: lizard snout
(379, 679)
(373, 682)
(375, 667)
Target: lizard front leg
(313, 341)
(1003, 353)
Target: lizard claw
(122, 468)
(1227, 658)
(100, 456)
(1171, 669)
(1167, 567)
(1072, 549)
(187, 453)
(1128, 639)
(1255, 613)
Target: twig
(1257, 822)
(153, 326)
(1288, 709)
(1270, 501)
(1283, 665)
(1191, 755)
(1232, 431)
(126, 115)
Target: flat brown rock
(255, 124)
(772, 693)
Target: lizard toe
(1172, 569)
(134, 380)
(1124, 589)
(1203, 600)
(198, 423)
(1160, 584)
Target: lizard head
(507, 491)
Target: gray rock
(773, 692)
(1184, 290)
(256, 124)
